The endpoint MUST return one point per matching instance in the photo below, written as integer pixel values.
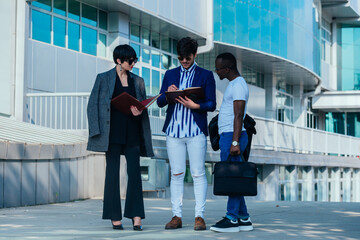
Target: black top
(124, 129)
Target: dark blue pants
(236, 207)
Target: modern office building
(299, 58)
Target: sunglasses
(131, 61)
(182, 58)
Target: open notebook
(125, 100)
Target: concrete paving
(271, 220)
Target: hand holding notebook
(124, 101)
(194, 93)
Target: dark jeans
(134, 203)
(236, 206)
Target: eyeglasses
(182, 58)
(131, 61)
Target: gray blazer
(98, 112)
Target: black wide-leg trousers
(134, 203)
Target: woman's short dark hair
(228, 60)
(187, 46)
(123, 52)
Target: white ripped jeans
(196, 148)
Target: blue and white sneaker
(245, 224)
(226, 225)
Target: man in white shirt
(233, 138)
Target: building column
(299, 114)
(119, 30)
(335, 188)
(293, 184)
(271, 181)
(270, 96)
(356, 186)
(347, 185)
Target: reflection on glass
(254, 27)
(353, 124)
(165, 43)
(60, 7)
(103, 20)
(155, 58)
(73, 36)
(136, 47)
(175, 63)
(145, 55)
(155, 82)
(102, 45)
(155, 39)
(335, 122)
(74, 10)
(44, 4)
(59, 32)
(174, 44)
(88, 39)
(89, 15)
(41, 26)
(135, 33)
(165, 61)
(145, 36)
(146, 76)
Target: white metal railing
(68, 111)
(57, 110)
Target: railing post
(275, 135)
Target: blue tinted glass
(73, 36)
(41, 26)
(136, 71)
(145, 55)
(134, 32)
(103, 20)
(155, 58)
(44, 4)
(228, 22)
(242, 32)
(59, 32)
(136, 47)
(256, 3)
(74, 10)
(265, 31)
(353, 124)
(89, 15)
(265, 4)
(155, 39)
(275, 34)
(283, 45)
(347, 56)
(146, 77)
(283, 8)
(254, 27)
(217, 20)
(102, 45)
(347, 76)
(347, 35)
(60, 7)
(275, 6)
(89, 40)
(145, 36)
(155, 82)
(356, 35)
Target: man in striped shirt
(186, 129)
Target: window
(312, 118)
(284, 102)
(70, 21)
(156, 53)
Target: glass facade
(156, 53)
(84, 25)
(284, 102)
(285, 28)
(350, 47)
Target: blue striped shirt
(182, 123)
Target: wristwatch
(235, 143)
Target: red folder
(125, 100)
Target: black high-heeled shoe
(136, 227)
(117, 227)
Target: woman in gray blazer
(116, 134)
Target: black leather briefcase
(235, 178)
